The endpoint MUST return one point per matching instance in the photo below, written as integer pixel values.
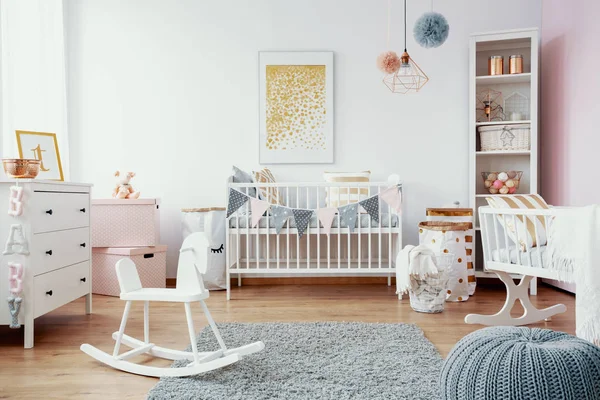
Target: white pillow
(340, 196)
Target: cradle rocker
(190, 288)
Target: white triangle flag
(326, 216)
(258, 208)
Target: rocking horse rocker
(190, 288)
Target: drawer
(56, 288)
(52, 211)
(54, 250)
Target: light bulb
(405, 69)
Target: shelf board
(506, 78)
(504, 153)
(502, 123)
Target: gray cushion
(514, 363)
(240, 176)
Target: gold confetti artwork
(296, 109)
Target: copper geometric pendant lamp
(409, 78)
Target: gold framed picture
(44, 147)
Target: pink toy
(498, 184)
(123, 189)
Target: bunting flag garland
(371, 206)
(326, 216)
(280, 216)
(236, 200)
(302, 218)
(258, 208)
(348, 214)
(393, 198)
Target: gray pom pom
(431, 30)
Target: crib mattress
(364, 220)
(500, 256)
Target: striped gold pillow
(525, 225)
(340, 196)
(270, 194)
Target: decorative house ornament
(431, 29)
(489, 106)
(516, 106)
(15, 201)
(16, 242)
(409, 78)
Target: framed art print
(44, 147)
(296, 107)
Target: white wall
(169, 89)
(33, 73)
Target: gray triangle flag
(348, 214)
(302, 218)
(236, 200)
(280, 216)
(371, 206)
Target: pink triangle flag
(326, 216)
(258, 208)
(393, 198)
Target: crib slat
(268, 255)
(506, 241)
(339, 233)
(248, 250)
(514, 221)
(318, 198)
(348, 235)
(359, 242)
(496, 237)
(297, 236)
(379, 256)
(485, 229)
(308, 230)
(389, 211)
(287, 228)
(537, 241)
(257, 238)
(370, 231)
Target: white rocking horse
(190, 288)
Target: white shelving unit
(481, 47)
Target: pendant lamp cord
(405, 26)
(389, 22)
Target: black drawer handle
(82, 245)
(49, 212)
(49, 292)
(82, 279)
(49, 252)
(149, 255)
(82, 210)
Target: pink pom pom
(498, 184)
(388, 62)
(512, 190)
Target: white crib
(503, 257)
(260, 252)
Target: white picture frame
(44, 147)
(312, 144)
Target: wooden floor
(56, 368)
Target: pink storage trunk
(151, 263)
(125, 223)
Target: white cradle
(259, 251)
(504, 258)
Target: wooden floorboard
(55, 368)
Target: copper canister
(515, 64)
(496, 65)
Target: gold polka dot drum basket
(449, 238)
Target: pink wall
(570, 102)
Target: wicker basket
(505, 137)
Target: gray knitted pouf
(514, 363)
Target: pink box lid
(135, 202)
(130, 251)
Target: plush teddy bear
(123, 189)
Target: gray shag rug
(321, 360)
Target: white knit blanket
(413, 262)
(575, 253)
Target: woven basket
(505, 137)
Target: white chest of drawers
(56, 225)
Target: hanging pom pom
(388, 62)
(431, 30)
